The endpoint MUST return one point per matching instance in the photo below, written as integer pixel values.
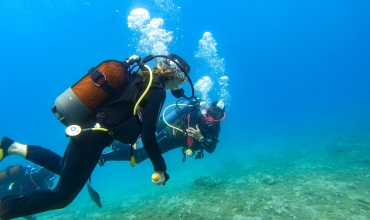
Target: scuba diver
(136, 100)
(186, 126)
(191, 129)
(18, 179)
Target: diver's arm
(153, 108)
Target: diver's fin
(95, 197)
(5, 143)
(132, 158)
(132, 161)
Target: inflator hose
(146, 90)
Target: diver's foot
(4, 146)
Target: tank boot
(4, 146)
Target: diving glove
(199, 155)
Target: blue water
(298, 70)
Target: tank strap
(95, 75)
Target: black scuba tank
(177, 112)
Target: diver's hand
(194, 133)
(160, 178)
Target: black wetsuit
(18, 179)
(170, 139)
(80, 159)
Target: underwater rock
(268, 179)
(206, 181)
(279, 206)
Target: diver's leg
(80, 161)
(140, 155)
(45, 158)
(123, 153)
(38, 155)
(164, 144)
(8, 147)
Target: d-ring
(105, 79)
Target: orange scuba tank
(81, 100)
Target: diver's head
(172, 71)
(175, 71)
(180, 63)
(216, 112)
